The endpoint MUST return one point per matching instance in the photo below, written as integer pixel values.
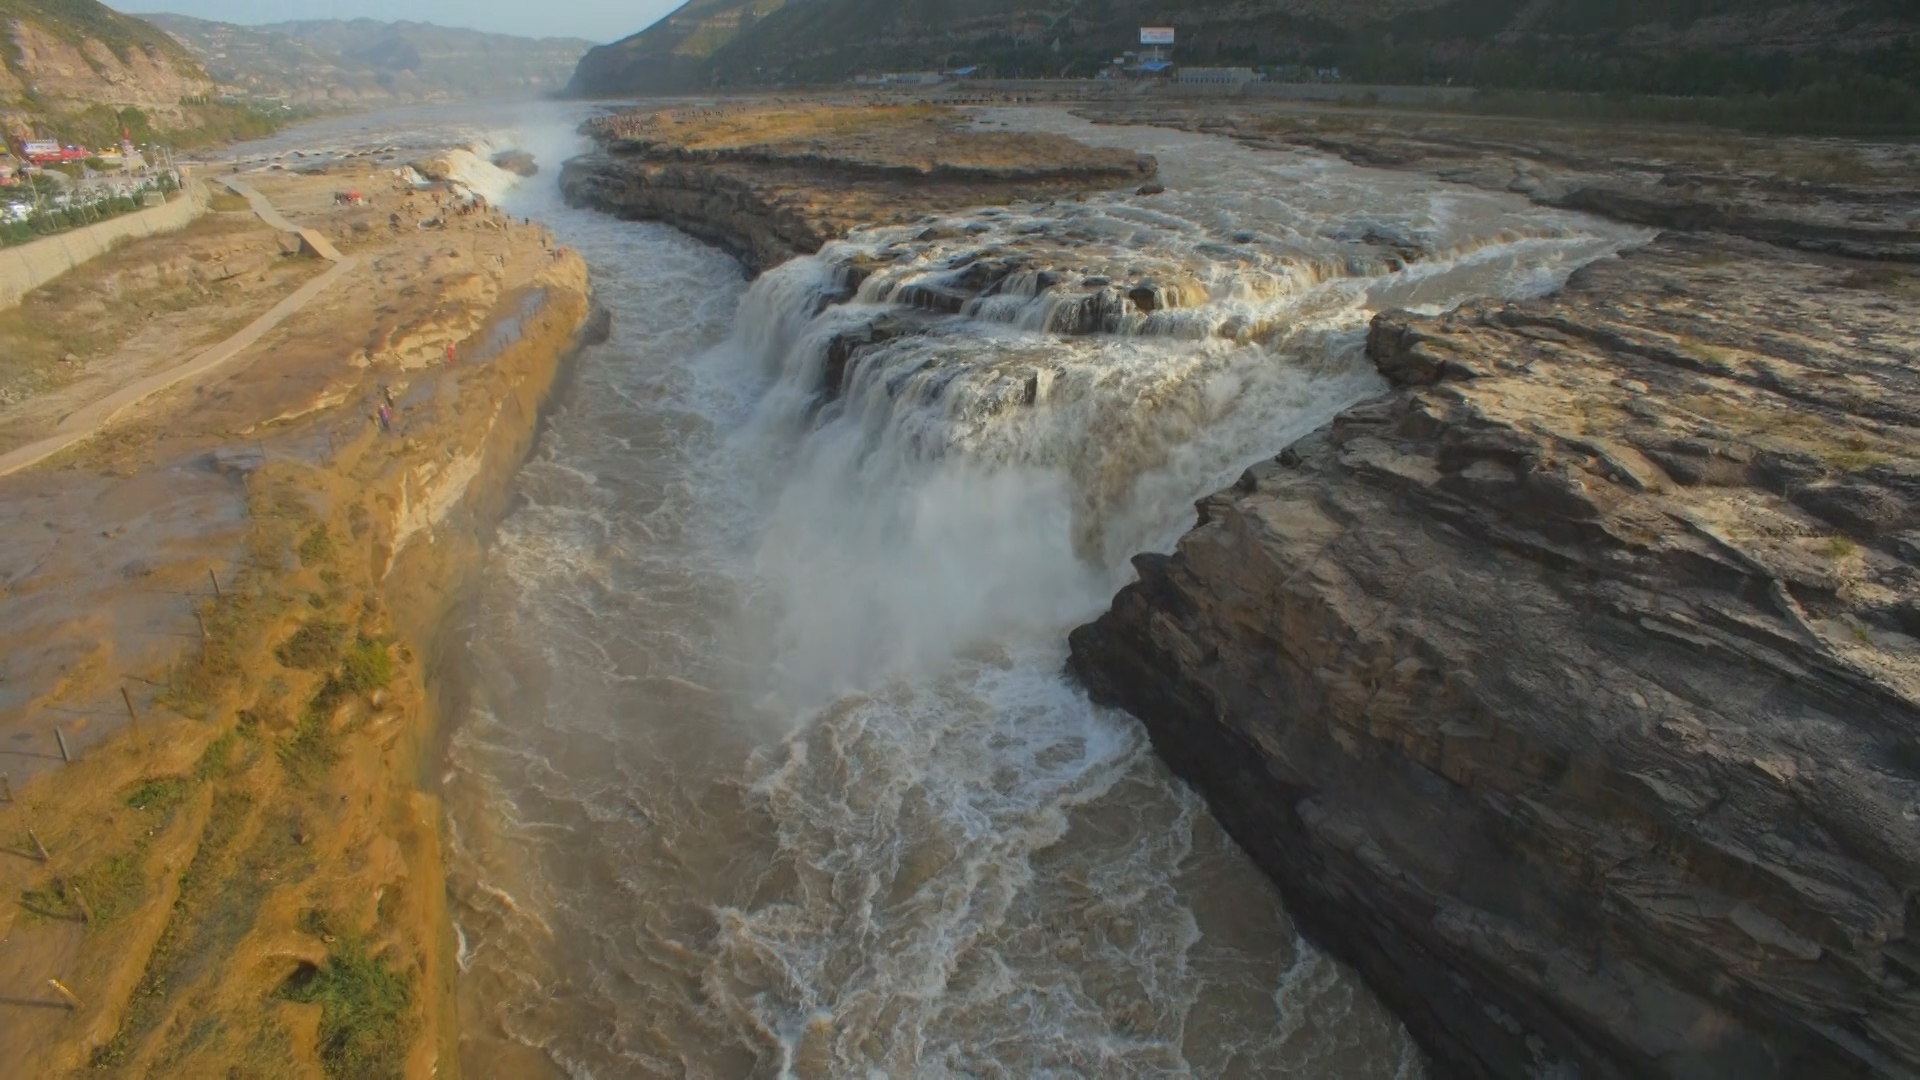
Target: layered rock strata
(1571, 691)
(770, 182)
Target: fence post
(66, 995)
(79, 901)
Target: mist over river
(771, 767)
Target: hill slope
(364, 61)
(63, 57)
(1667, 46)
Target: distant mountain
(61, 58)
(366, 62)
(1651, 46)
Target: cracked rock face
(1570, 689)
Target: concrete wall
(28, 266)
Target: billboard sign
(1156, 35)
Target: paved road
(86, 421)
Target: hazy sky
(595, 20)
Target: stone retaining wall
(28, 266)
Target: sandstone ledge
(1570, 689)
(767, 183)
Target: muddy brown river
(771, 768)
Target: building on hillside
(9, 171)
(1211, 76)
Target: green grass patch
(215, 761)
(160, 795)
(367, 665)
(366, 1011)
(313, 748)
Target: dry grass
(101, 305)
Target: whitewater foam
(777, 634)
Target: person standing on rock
(449, 354)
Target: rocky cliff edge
(1571, 690)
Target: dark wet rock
(517, 162)
(598, 329)
(1571, 690)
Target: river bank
(236, 866)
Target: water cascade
(772, 769)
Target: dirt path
(88, 420)
(265, 211)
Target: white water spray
(773, 749)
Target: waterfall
(973, 422)
(773, 769)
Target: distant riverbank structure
(1206, 76)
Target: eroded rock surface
(1570, 689)
(770, 182)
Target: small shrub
(317, 548)
(366, 1011)
(313, 647)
